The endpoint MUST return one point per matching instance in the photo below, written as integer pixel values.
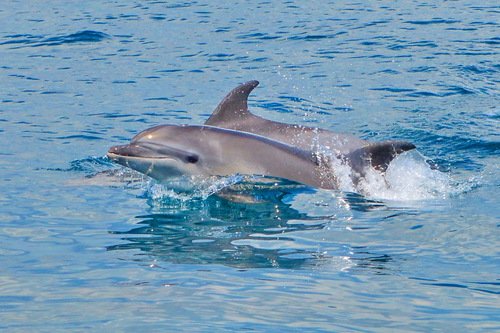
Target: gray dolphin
(166, 151)
(232, 112)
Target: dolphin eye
(192, 158)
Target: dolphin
(232, 112)
(166, 151)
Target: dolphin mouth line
(147, 151)
(114, 156)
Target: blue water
(87, 246)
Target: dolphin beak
(133, 150)
(146, 158)
(146, 150)
(121, 154)
(123, 150)
(131, 156)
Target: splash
(408, 178)
(188, 187)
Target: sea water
(88, 246)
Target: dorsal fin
(378, 154)
(233, 106)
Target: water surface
(88, 247)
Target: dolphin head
(161, 152)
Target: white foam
(187, 188)
(409, 177)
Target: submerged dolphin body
(232, 112)
(166, 151)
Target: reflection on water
(269, 233)
(213, 231)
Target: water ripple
(433, 21)
(27, 40)
(299, 258)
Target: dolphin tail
(234, 106)
(379, 155)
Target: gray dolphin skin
(235, 141)
(166, 151)
(232, 112)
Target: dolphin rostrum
(166, 151)
(232, 112)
